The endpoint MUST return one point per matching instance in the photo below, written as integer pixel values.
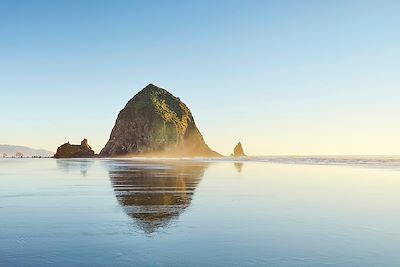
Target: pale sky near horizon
(283, 77)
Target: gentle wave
(392, 162)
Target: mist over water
(254, 211)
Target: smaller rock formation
(75, 151)
(238, 151)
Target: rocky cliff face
(75, 151)
(238, 150)
(154, 122)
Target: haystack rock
(156, 123)
(75, 151)
(238, 150)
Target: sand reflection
(155, 193)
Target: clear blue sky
(283, 77)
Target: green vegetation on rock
(156, 122)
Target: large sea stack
(156, 123)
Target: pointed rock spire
(238, 150)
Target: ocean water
(255, 211)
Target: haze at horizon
(285, 77)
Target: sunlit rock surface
(75, 151)
(238, 150)
(154, 122)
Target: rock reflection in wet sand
(238, 166)
(68, 165)
(155, 193)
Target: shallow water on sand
(269, 211)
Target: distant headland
(13, 151)
(153, 123)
